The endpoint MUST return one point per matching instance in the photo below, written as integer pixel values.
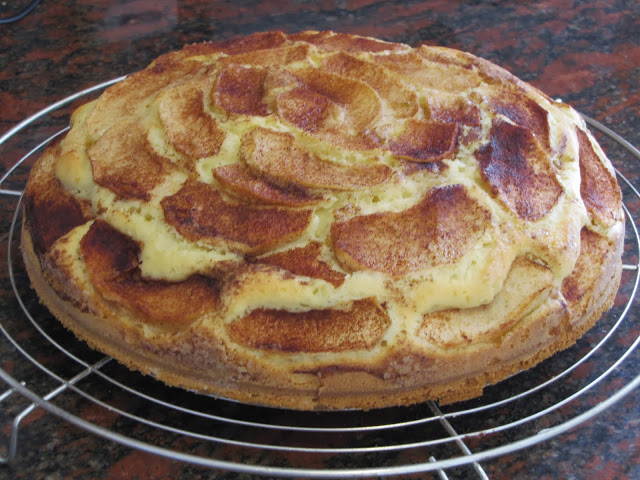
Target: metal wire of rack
(50, 369)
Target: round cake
(325, 221)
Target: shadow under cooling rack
(46, 367)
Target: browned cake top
(320, 192)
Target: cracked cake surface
(323, 221)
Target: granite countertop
(585, 52)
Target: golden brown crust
(325, 221)
(441, 228)
(197, 361)
(120, 151)
(200, 213)
(518, 171)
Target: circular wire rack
(47, 367)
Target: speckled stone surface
(585, 52)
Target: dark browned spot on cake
(200, 214)
(238, 179)
(278, 157)
(454, 109)
(50, 211)
(438, 230)
(241, 90)
(189, 128)
(598, 188)
(426, 141)
(51, 215)
(107, 252)
(360, 326)
(305, 261)
(518, 171)
(124, 162)
(113, 267)
(524, 111)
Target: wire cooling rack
(43, 366)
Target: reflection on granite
(585, 52)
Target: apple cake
(325, 221)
